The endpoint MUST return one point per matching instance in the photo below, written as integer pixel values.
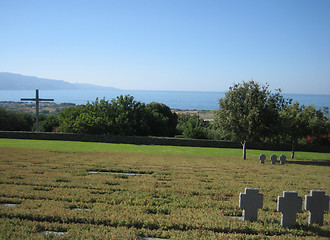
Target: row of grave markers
(289, 205)
(273, 158)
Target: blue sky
(205, 45)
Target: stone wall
(157, 141)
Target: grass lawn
(152, 149)
(82, 190)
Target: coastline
(173, 99)
(55, 108)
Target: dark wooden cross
(37, 100)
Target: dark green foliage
(120, 116)
(67, 118)
(302, 121)
(182, 119)
(162, 121)
(48, 123)
(213, 132)
(194, 128)
(15, 121)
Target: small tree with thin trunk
(249, 111)
(302, 121)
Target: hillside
(11, 81)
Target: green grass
(177, 193)
(151, 149)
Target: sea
(183, 100)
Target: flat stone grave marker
(282, 159)
(289, 205)
(250, 201)
(273, 159)
(10, 204)
(53, 233)
(241, 218)
(79, 209)
(316, 203)
(126, 174)
(129, 174)
(262, 158)
(146, 238)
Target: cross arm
(28, 99)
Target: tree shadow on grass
(310, 162)
(315, 229)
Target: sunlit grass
(177, 192)
(152, 149)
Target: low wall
(157, 141)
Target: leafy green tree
(250, 111)
(182, 119)
(302, 121)
(129, 116)
(49, 124)
(15, 121)
(194, 128)
(213, 132)
(120, 116)
(162, 121)
(68, 117)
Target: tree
(302, 121)
(250, 111)
(162, 120)
(120, 116)
(194, 128)
(15, 121)
(49, 124)
(68, 119)
(128, 117)
(182, 119)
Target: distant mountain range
(11, 81)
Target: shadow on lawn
(310, 162)
(315, 229)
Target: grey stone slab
(289, 204)
(154, 238)
(316, 203)
(79, 209)
(240, 218)
(250, 201)
(53, 233)
(10, 204)
(129, 174)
